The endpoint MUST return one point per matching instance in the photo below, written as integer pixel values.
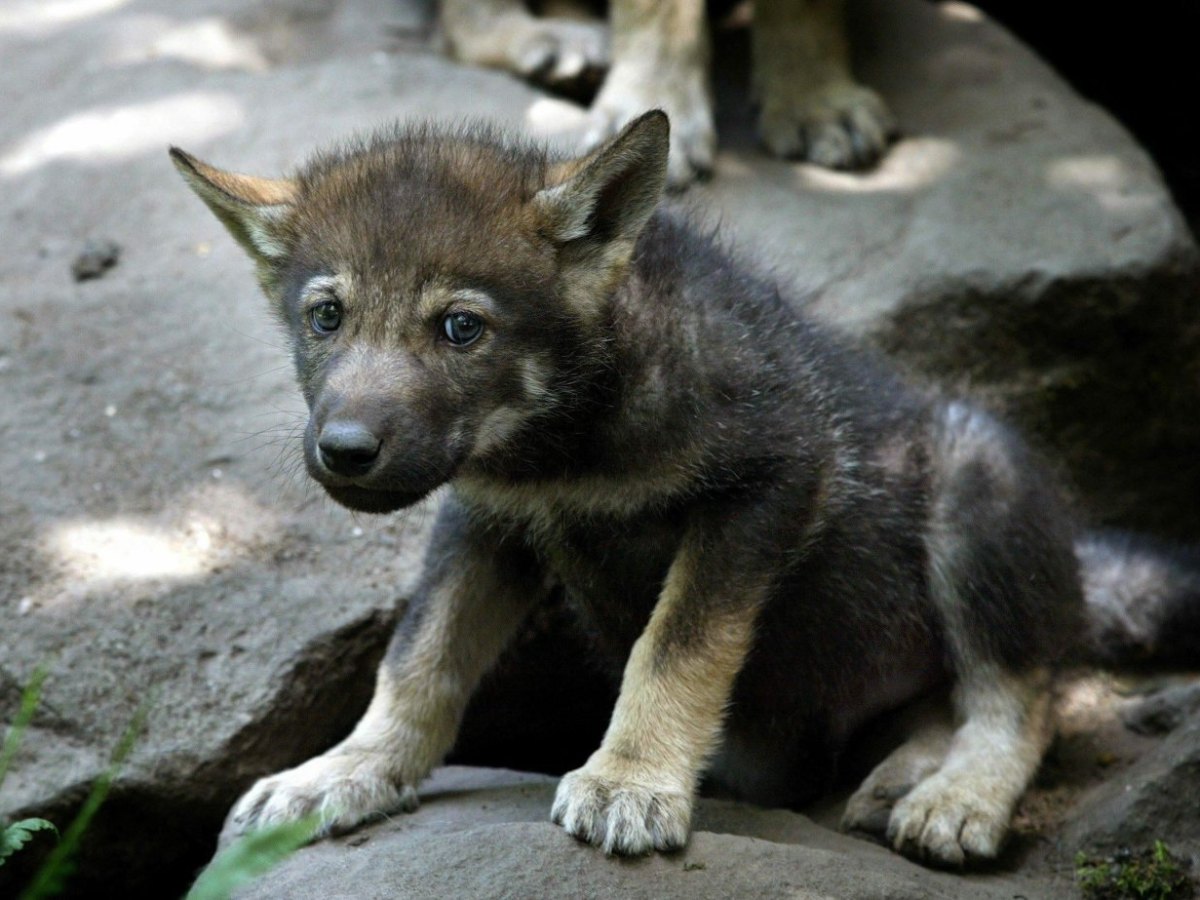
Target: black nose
(348, 448)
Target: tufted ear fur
(610, 194)
(251, 208)
(596, 207)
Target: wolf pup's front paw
(343, 788)
(623, 808)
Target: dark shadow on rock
(546, 704)
(1086, 356)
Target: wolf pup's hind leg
(962, 811)
(1004, 584)
(475, 591)
(929, 728)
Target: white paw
(632, 89)
(947, 820)
(840, 125)
(343, 788)
(559, 53)
(622, 813)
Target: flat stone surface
(484, 833)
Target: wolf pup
(769, 534)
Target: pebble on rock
(96, 258)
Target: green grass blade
(251, 856)
(29, 702)
(51, 877)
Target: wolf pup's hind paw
(343, 789)
(620, 815)
(870, 808)
(947, 821)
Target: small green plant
(251, 856)
(51, 877)
(16, 835)
(243, 861)
(1151, 874)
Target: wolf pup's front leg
(635, 794)
(475, 591)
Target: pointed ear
(607, 197)
(251, 208)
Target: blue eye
(326, 317)
(462, 328)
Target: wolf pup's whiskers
(772, 537)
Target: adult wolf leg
(811, 106)
(660, 55)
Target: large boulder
(1157, 798)
(159, 547)
(484, 833)
(1015, 245)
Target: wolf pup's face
(441, 290)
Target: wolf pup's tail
(1143, 600)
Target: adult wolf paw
(840, 125)
(564, 55)
(622, 813)
(947, 820)
(343, 788)
(560, 54)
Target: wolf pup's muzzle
(348, 448)
(372, 466)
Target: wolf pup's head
(442, 290)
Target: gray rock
(484, 833)
(1163, 711)
(1015, 245)
(157, 543)
(1155, 799)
